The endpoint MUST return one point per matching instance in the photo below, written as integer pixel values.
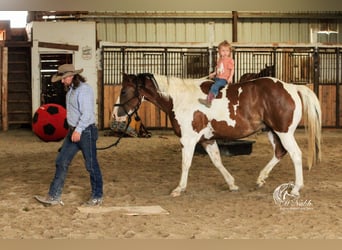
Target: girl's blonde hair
(224, 43)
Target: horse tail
(312, 118)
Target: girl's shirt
(225, 68)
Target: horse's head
(267, 71)
(132, 91)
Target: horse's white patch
(235, 107)
(224, 91)
(274, 79)
(240, 91)
(292, 90)
(185, 94)
(208, 132)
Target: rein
(135, 112)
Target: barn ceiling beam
(215, 14)
(160, 14)
(289, 15)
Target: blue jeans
(217, 85)
(87, 145)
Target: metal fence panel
(181, 62)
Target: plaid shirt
(80, 107)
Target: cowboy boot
(208, 100)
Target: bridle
(129, 115)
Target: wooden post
(4, 88)
(100, 97)
(235, 27)
(338, 72)
(316, 71)
(1, 48)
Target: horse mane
(175, 86)
(142, 77)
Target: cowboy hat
(65, 70)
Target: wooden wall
(3, 87)
(327, 98)
(110, 95)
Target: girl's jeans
(217, 85)
(87, 145)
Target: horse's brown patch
(279, 108)
(200, 121)
(279, 149)
(260, 103)
(232, 94)
(205, 86)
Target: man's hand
(75, 137)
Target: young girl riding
(223, 74)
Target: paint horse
(239, 110)
(267, 71)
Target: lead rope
(135, 112)
(122, 134)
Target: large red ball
(49, 122)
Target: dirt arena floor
(143, 171)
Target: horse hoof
(295, 194)
(175, 193)
(295, 191)
(234, 189)
(259, 185)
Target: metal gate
(180, 62)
